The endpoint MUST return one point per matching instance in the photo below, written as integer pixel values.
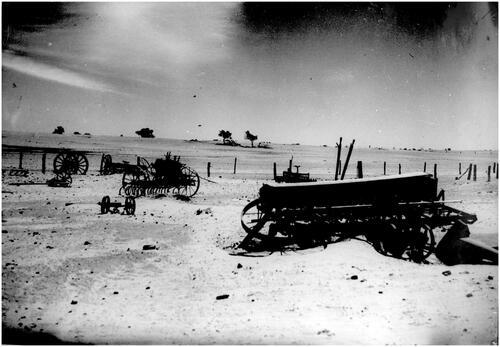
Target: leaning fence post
(360, 169)
(347, 159)
(385, 165)
(435, 170)
(44, 156)
(399, 168)
(475, 172)
(274, 171)
(234, 170)
(20, 160)
(489, 173)
(208, 169)
(425, 166)
(469, 173)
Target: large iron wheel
(133, 177)
(254, 220)
(423, 243)
(72, 163)
(189, 182)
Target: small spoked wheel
(189, 182)
(254, 220)
(422, 243)
(129, 205)
(106, 163)
(105, 204)
(133, 177)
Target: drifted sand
(83, 277)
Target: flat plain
(83, 277)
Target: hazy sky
(420, 75)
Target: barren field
(79, 276)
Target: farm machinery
(396, 214)
(161, 177)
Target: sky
(386, 74)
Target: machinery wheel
(254, 220)
(423, 243)
(129, 205)
(106, 163)
(105, 204)
(190, 182)
(72, 163)
(132, 177)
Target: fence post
(20, 160)
(208, 169)
(435, 170)
(274, 171)
(469, 173)
(489, 173)
(475, 172)
(337, 164)
(494, 167)
(459, 168)
(44, 157)
(290, 165)
(399, 168)
(138, 161)
(496, 174)
(385, 165)
(234, 170)
(360, 169)
(425, 166)
(347, 159)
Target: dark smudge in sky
(420, 19)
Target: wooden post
(489, 173)
(340, 168)
(44, 157)
(435, 170)
(20, 160)
(425, 166)
(360, 169)
(399, 168)
(274, 171)
(347, 160)
(496, 173)
(385, 166)
(494, 167)
(138, 161)
(290, 165)
(469, 173)
(459, 168)
(337, 163)
(475, 172)
(208, 169)
(234, 170)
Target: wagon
(108, 167)
(396, 214)
(163, 176)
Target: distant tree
(59, 130)
(226, 135)
(145, 132)
(76, 133)
(251, 137)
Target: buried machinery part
(108, 206)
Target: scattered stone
(115, 293)
(149, 248)
(86, 243)
(381, 292)
(354, 277)
(446, 273)
(239, 266)
(74, 302)
(490, 278)
(221, 297)
(147, 288)
(49, 247)
(469, 295)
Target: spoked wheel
(129, 205)
(189, 183)
(422, 244)
(72, 163)
(146, 167)
(255, 221)
(132, 177)
(106, 163)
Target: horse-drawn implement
(108, 167)
(161, 177)
(396, 214)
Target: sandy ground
(84, 277)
